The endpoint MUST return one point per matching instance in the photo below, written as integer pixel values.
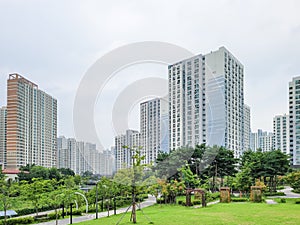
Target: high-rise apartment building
(281, 133)
(107, 163)
(206, 101)
(31, 124)
(63, 154)
(153, 128)
(123, 155)
(3, 136)
(187, 102)
(262, 140)
(82, 156)
(247, 127)
(294, 120)
(267, 142)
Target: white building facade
(294, 120)
(154, 128)
(262, 141)
(247, 127)
(82, 156)
(281, 133)
(123, 145)
(206, 101)
(3, 136)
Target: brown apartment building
(31, 126)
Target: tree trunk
(133, 212)
(5, 216)
(56, 216)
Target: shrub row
(15, 221)
(27, 211)
(274, 194)
(210, 197)
(239, 199)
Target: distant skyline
(53, 44)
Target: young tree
(133, 176)
(37, 191)
(6, 190)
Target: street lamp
(96, 200)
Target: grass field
(227, 214)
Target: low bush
(16, 221)
(282, 200)
(180, 202)
(196, 202)
(26, 211)
(297, 201)
(160, 201)
(210, 197)
(239, 199)
(274, 194)
(296, 191)
(52, 216)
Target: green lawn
(233, 213)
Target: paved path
(150, 201)
(288, 193)
(270, 202)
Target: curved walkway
(148, 202)
(288, 193)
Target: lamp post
(71, 206)
(96, 200)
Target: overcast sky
(53, 43)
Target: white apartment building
(267, 142)
(3, 136)
(281, 133)
(154, 128)
(206, 101)
(187, 102)
(294, 120)
(107, 162)
(262, 140)
(79, 156)
(247, 127)
(123, 155)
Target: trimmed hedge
(196, 202)
(210, 197)
(274, 194)
(282, 200)
(16, 221)
(160, 201)
(239, 199)
(26, 211)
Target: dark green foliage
(297, 201)
(52, 216)
(274, 194)
(160, 201)
(282, 200)
(239, 199)
(32, 171)
(196, 202)
(210, 197)
(26, 211)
